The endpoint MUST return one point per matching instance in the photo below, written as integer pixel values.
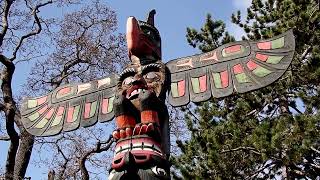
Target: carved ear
(150, 19)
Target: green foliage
(268, 133)
(212, 34)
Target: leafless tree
(20, 26)
(85, 47)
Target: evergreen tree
(272, 132)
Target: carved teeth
(139, 146)
(135, 92)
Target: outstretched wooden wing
(69, 107)
(235, 67)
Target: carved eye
(128, 80)
(151, 75)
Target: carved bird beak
(143, 40)
(133, 35)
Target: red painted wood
(181, 88)
(203, 83)
(41, 100)
(232, 49)
(209, 56)
(224, 79)
(251, 65)
(42, 110)
(60, 111)
(87, 108)
(70, 114)
(262, 57)
(64, 91)
(49, 114)
(105, 103)
(264, 45)
(237, 69)
(149, 116)
(124, 121)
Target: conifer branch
(242, 148)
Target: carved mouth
(138, 145)
(134, 91)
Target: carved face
(136, 78)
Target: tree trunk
(51, 175)
(284, 110)
(14, 144)
(10, 112)
(23, 154)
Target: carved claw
(122, 133)
(146, 128)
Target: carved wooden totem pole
(135, 98)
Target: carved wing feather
(235, 67)
(69, 107)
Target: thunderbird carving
(135, 98)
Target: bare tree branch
(254, 150)
(35, 10)
(4, 138)
(97, 149)
(5, 23)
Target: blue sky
(172, 19)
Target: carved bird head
(143, 39)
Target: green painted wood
(242, 78)
(274, 59)
(110, 105)
(56, 121)
(174, 90)
(261, 71)
(195, 85)
(278, 43)
(217, 80)
(32, 103)
(34, 116)
(42, 123)
(93, 108)
(75, 113)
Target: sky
(172, 19)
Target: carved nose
(137, 79)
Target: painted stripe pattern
(257, 69)
(58, 118)
(42, 123)
(178, 89)
(269, 59)
(240, 74)
(275, 44)
(73, 113)
(232, 50)
(90, 109)
(64, 92)
(37, 114)
(36, 102)
(221, 79)
(106, 105)
(199, 84)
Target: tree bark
(284, 110)
(51, 175)
(9, 110)
(24, 154)
(97, 149)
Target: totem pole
(135, 98)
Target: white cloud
(235, 31)
(241, 5)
